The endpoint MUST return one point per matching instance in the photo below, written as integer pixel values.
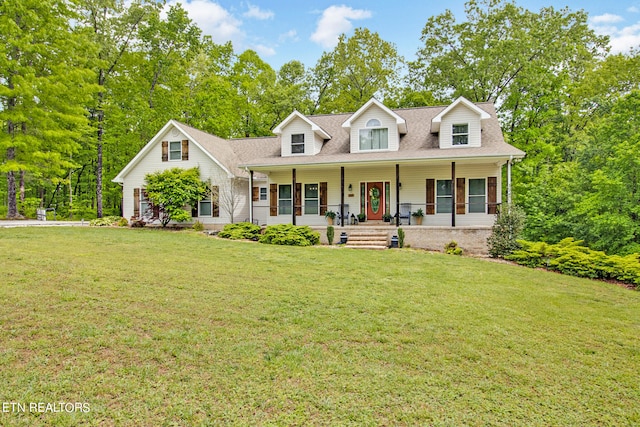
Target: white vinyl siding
(298, 139)
(387, 122)
(452, 128)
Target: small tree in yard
(171, 190)
(505, 232)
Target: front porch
(472, 240)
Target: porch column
(453, 194)
(251, 197)
(509, 182)
(341, 211)
(397, 195)
(293, 196)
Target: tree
(172, 190)
(359, 68)
(44, 82)
(229, 195)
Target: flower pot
(418, 220)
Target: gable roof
(217, 149)
(296, 114)
(400, 122)
(435, 122)
(421, 143)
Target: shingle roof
(418, 143)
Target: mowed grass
(154, 328)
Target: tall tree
(358, 68)
(43, 86)
(115, 25)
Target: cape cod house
(446, 161)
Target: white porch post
(251, 197)
(509, 182)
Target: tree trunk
(12, 212)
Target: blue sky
(286, 30)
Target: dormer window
(297, 143)
(460, 134)
(374, 137)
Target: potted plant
(362, 217)
(418, 216)
(330, 215)
(386, 217)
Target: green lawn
(153, 328)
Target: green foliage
(506, 230)
(108, 221)
(198, 226)
(29, 206)
(330, 234)
(400, 238)
(288, 234)
(570, 257)
(240, 230)
(172, 190)
(452, 248)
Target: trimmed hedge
(239, 231)
(287, 234)
(570, 257)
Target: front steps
(371, 239)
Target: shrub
(240, 230)
(107, 221)
(400, 238)
(123, 222)
(287, 234)
(198, 226)
(452, 248)
(505, 232)
(330, 234)
(570, 257)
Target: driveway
(34, 223)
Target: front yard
(149, 327)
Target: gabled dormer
(460, 124)
(300, 136)
(374, 127)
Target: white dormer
(374, 127)
(299, 136)
(460, 124)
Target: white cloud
(289, 35)
(334, 21)
(607, 18)
(213, 20)
(622, 39)
(257, 13)
(264, 50)
(633, 9)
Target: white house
(446, 161)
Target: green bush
(106, 221)
(292, 235)
(122, 222)
(330, 234)
(452, 248)
(198, 226)
(239, 231)
(505, 232)
(570, 257)
(400, 238)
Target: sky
(282, 31)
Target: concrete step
(367, 240)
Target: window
(443, 196)
(145, 204)
(311, 199)
(460, 134)
(284, 199)
(477, 196)
(263, 193)
(297, 143)
(374, 137)
(175, 150)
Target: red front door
(375, 200)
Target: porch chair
(405, 212)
